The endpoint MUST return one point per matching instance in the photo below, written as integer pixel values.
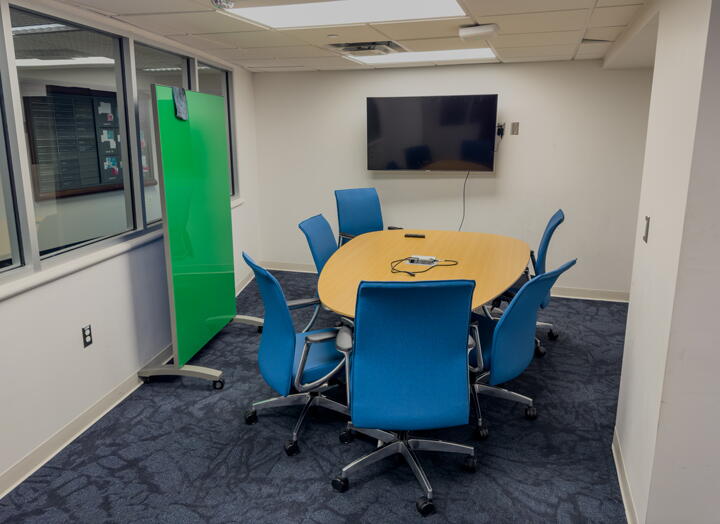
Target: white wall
(582, 132)
(46, 378)
(682, 34)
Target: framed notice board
(193, 161)
(74, 139)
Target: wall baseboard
(242, 284)
(26, 466)
(289, 266)
(562, 292)
(623, 481)
(591, 294)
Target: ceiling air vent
(367, 48)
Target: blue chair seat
(322, 359)
(486, 328)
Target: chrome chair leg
(278, 402)
(421, 444)
(326, 403)
(416, 468)
(301, 419)
(494, 391)
(371, 458)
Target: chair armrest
(470, 343)
(320, 337)
(347, 236)
(309, 341)
(344, 340)
(394, 227)
(302, 302)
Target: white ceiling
(530, 30)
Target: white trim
(562, 292)
(236, 202)
(34, 460)
(289, 266)
(630, 514)
(68, 267)
(243, 283)
(591, 294)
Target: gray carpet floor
(175, 451)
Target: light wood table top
(494, 262)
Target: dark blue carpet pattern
(175, 451)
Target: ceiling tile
(300, 51)
(253, 39)
(537, 59)
(127, 7)
(611, 16)
(481, 8)
(330, 61)
(566, 51)
(423, 29)
(343, 34)
(539, 22)
(610, 3)
(438, 44)
(604, 33)
(593, 50)
(279, 69)
(189, 23)
(532, 39)
(197, 42)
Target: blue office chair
(408, 371)
(538, 269)
(358, 212)
(298, 366)
(322, 245)
(505, 347)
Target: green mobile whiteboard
(195, 194)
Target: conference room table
(494, 262)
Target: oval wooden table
(494, 262)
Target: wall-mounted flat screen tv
(432, 133)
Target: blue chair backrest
(358, 211)
(320, 238)
(542, 251)
(277, 345)
(513, 344)
(408, 366)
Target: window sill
(56, 271)
(236, 202)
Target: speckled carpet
(176, 451)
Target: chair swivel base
(390, 443)
(307, 400)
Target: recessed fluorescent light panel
(41, 28)
(89, 60)
(340, 12)
(484, 53)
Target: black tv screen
(432, 133)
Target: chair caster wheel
(340, 484)
(425, 506)
(346, 436)
(259, 329)
(470, 464)
(539, 350)
(251, 417)
(481, 433)
(292, 448)
(551, 335)
(531, 413)
(218, 384)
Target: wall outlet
(87, 335)
(515, 128)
